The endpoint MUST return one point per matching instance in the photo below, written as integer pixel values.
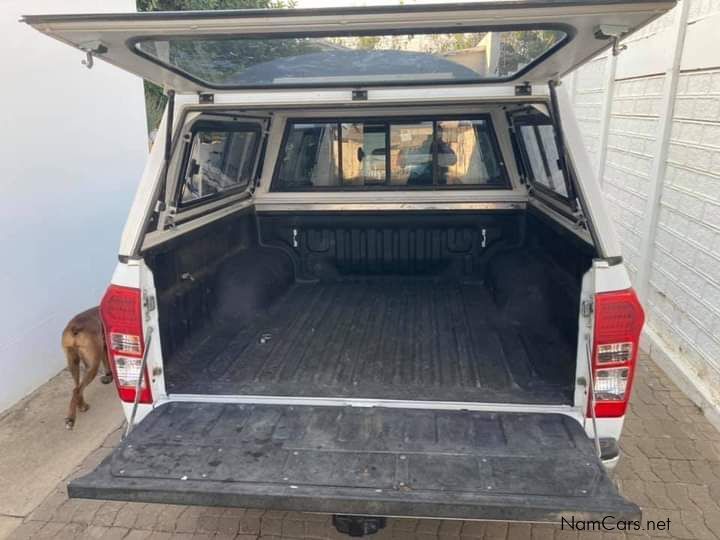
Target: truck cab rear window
(386, 154)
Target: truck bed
(384, 338)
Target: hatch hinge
(614, 32)
(524, 89)
(92, 49)
(206, 99)
(586, 308)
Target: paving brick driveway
(670, 467)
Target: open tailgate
(358, 460)
(434, 44)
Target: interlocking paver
(519, 531)
(187, 521)
(495, 530)
(115, 533)
(51, 529)
(107, 513)
(127, 515)
(93, 532)
(670, 467)
(160, 535)
(712, 521)
(167, 517)
(27, 529)
(293, 527)
(138, 534)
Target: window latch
(524, 89)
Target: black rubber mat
(384, 338)
(361, 460)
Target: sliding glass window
(385, 154)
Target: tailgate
(350, 460)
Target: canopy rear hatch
(358, 460)
(464, 43)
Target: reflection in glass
(219, 161)
(365, 59)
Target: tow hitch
(358, 525)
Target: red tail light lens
(121, 314)
(619, 319)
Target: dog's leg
(73, 363)
(91, 370)
(108, 377)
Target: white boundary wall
(650, 119)
(72, 148)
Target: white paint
(587, 182)
(142, 204)
(701, 43)
(72, 148)
(660, 178)
(686, 379)
(374, 402)
(582, 18)
(142, 411)
(150, 323)
(644, 56)
(610, 278)
(302, 98)
(650, 223)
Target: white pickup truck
(368, 270)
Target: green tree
(155, 99)
(518, 49)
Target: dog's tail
(71, 332)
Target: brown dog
(83, 341)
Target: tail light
(619, 319)
(122, 318)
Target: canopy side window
(219, 161)
(542, 164)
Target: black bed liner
(372, 461)
(392, 338)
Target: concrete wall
(72, 147)
(651, 122)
